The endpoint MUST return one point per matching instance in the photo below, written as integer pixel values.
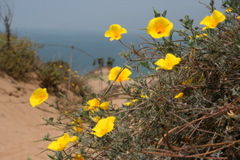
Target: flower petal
(55, 146)
(172, 59)
(119, 74)
(104, 105)
(94, 102)
(38, 96)
(104, 126)
(168, 63)
(218, 16)
(179, 95)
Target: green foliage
(20, 59)
(29, 158)
(187, 22)
(157, 14)
(77, 84)
(52, 74)
(55, 73)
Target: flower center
(41, 98)
(104, 131)
(159, 30)
(169, 65)
(116, 34)
(214, 23)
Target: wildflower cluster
(186, 105)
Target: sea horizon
(88, 46)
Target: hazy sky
(99, 14)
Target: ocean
(88, 46)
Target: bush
(20, 59)
(52, 74)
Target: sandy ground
(20, 122)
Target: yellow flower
(61, 143)
(159, 27)
(91, 108)
(201, 35)
(213, 20)
(77, 125)
(114, 32)
(238, 17)
(38, 96)
(128, 103)
(78, 157)
(60, 66)
(94, 104)
(134, 100)
(73, 139)
(104, 105)
(119, 74)
(95, 119)
(187, 82)
(179, 95)
(104, 126)
(229, 9)
(131, 103)
(77, 129)
(168, 63)
(143, 96)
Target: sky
(98, 15)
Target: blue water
(93, 45)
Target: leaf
(164, 13)
(51, 156)
(59, 155)
(28, 158)
(156, 13)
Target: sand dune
(19, 121)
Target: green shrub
(52, 74)
(77, 83)
(20, 59)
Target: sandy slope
(20, 122)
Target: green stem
(105, 93)
(125, 45)
(170, 79)
(68, 156)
